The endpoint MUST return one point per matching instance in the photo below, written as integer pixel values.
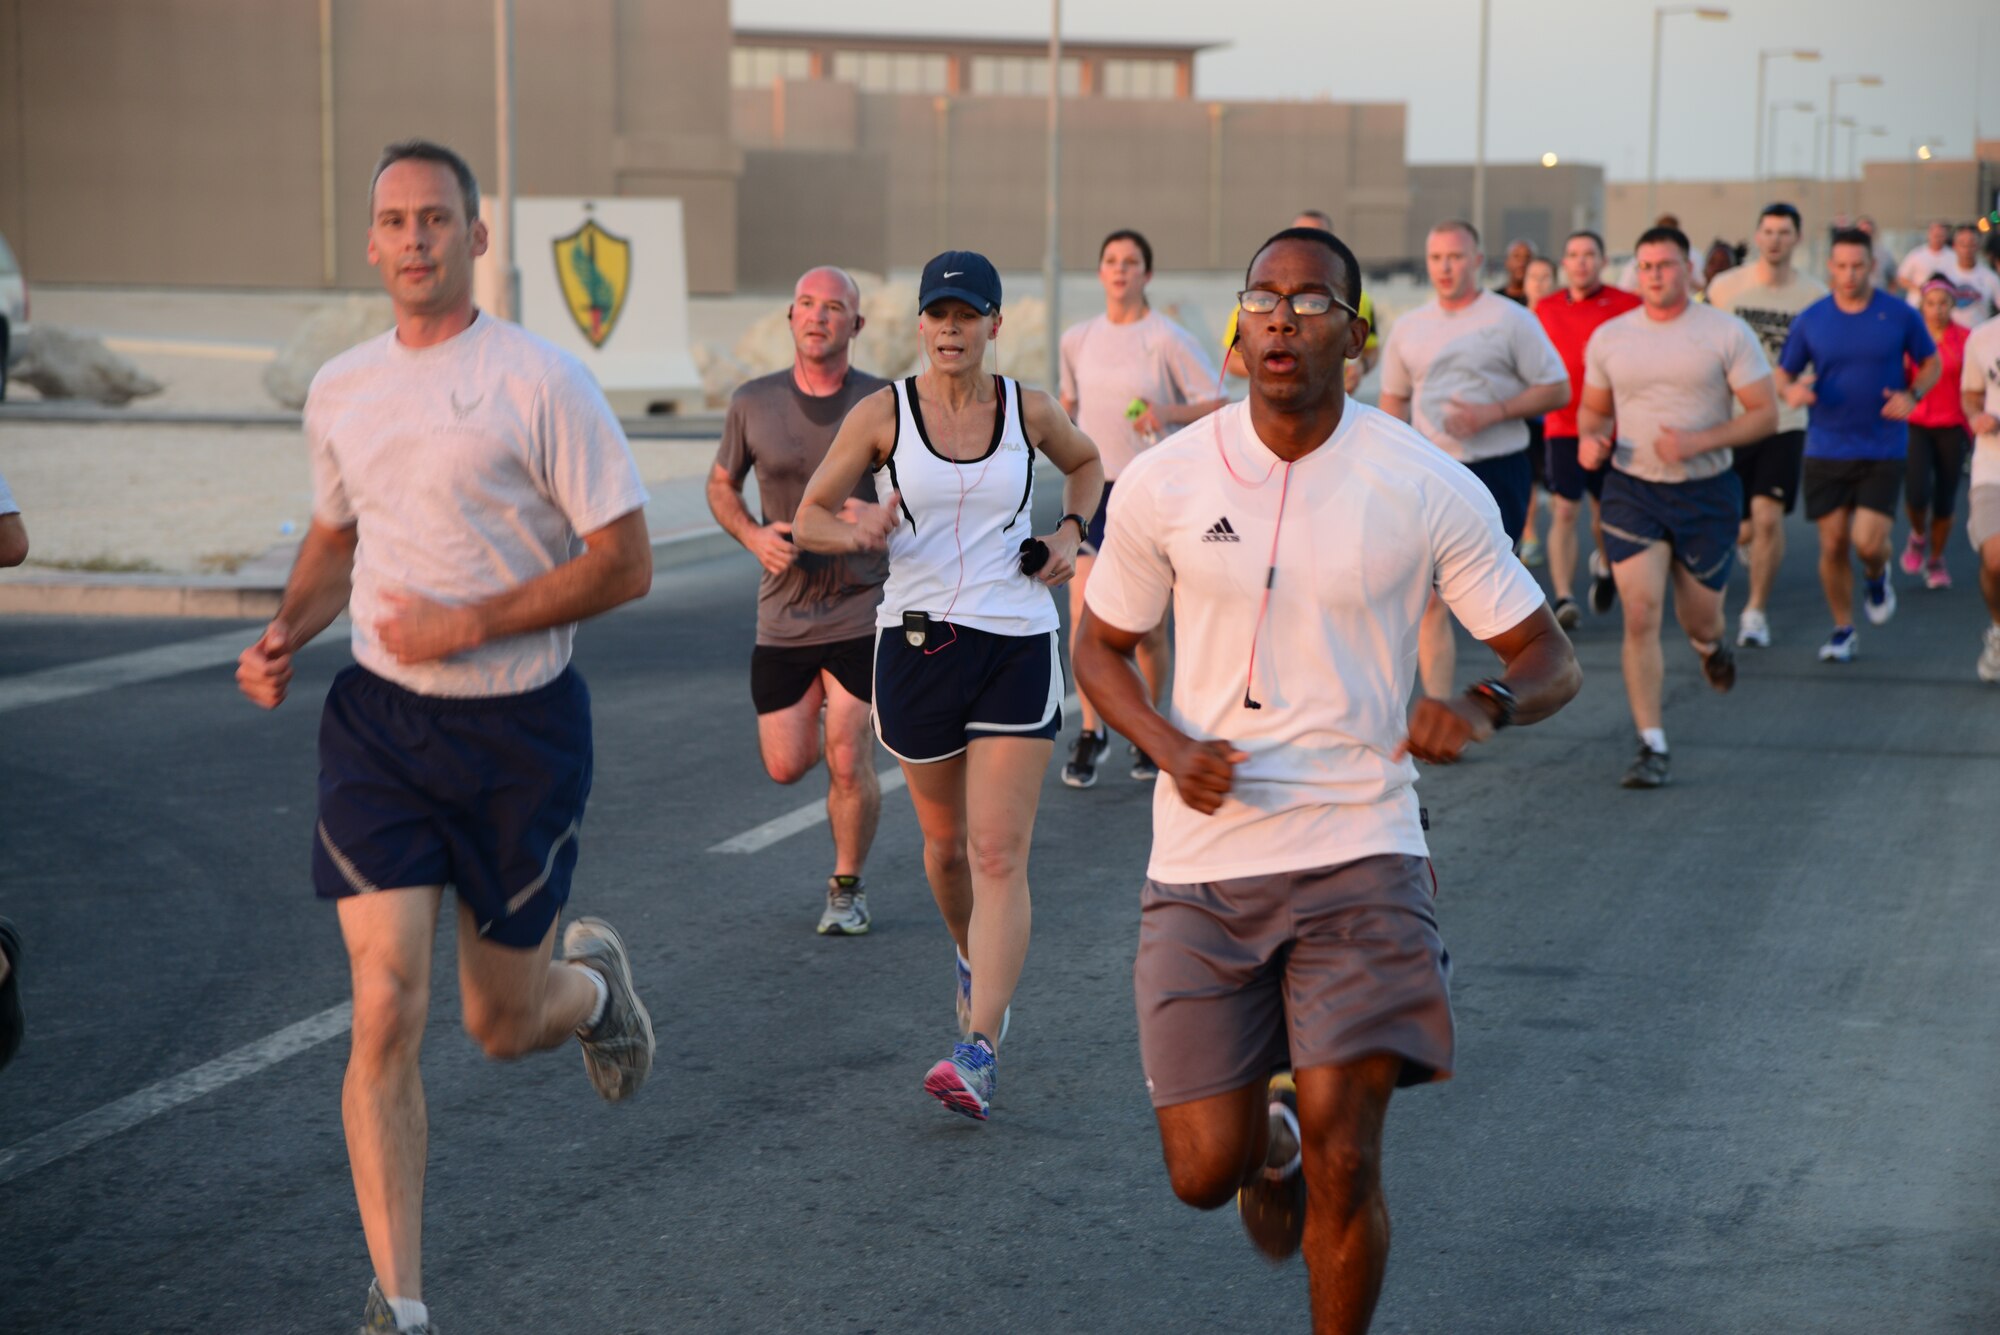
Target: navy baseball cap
(965, 275)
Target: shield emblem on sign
(595, 271)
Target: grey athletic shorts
(1984, 521)
(1238, 978)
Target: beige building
(1525, 201)
(229, 142)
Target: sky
(1568, 77)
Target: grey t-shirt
(1104, 366)
(1768, 310)
(1682, 373)
(784, 433)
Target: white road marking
(123, 1114)
(103, 674)
(814, 813)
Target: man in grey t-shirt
(812, 669)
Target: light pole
(1660, 15)
(1772, 121)
(1833, 107)
(1052, 259)
(503, 173)
(1854, 133)
(1764, 57)
(1479, 134)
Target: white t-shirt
(1976, 292)
(1484, 352)
(1372, 521)
(1769, 310)
(7, 505)
(1920, 264)
(469, 468)
(1105, 366)
(1682, 373)
(1982, 373)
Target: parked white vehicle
(13, 308)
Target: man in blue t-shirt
(1855, 341)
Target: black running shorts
(781, 674)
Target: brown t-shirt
(784, 433)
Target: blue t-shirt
(1854, 359)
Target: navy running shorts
(1093, 533)
(484, 794)
(1697, 518)
(932, 702)
(1511, 479)
(1235, 979)
(1568, 478)
(781, 674)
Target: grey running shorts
(1235, 979)
(1984, 522)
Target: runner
(472, 484)
(1569, 318)
(1923, 263)
(1975, 287)
(1628, 279)
(1515, 266)
(811, 668)
(1766, 294)
(1980, 390)
(1938, 442)
(1465, 369)
(13, 551)
(1288, 918)
(1371, 351)
(1538, 282)
(968, 676)
(1670, 374)
(1129, 377)
(1855, 341)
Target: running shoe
(1603, 588)
(1880, 604)
(1719, 667)
(618, 1052)
(965, 1004)
(1568, 615)
(377, 1318)
(1989, 655)
(1273, 1207)
(846, 908)
(1936, 576)
(1648, 771)
(1839, 646)
(964, 1081)
(1089, 748)
(11, 1024)
(1753, 629)
(1532, 552)
(1143, 768)
(1913, 554)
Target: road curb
(226, 597)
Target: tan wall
(1717, 210)
(798, 210)
(1525, 201)
(200, 120)
(971, 171)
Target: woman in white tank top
(968, 678)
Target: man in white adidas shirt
(1287, 916)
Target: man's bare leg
(1562, 545)
(1767, 550)
(853, 792)
(1642, 588)
(1836, 568)
(1341, 1111)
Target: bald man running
(811, 672)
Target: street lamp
(1550, 159)
(1854, 132)
(1660, 15)
(1764, 57)
(1833, 106)
(1920, 151)
(1772, 121)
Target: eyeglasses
(1257, 301)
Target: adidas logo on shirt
(1220, 531)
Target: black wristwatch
(1082, 526)
(1493, 696)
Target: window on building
(1020, 76)
(760, 66)
(891, 71)
(1139, 78)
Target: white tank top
(957, 552)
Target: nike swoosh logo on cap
(959, 274)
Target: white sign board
(606, 279)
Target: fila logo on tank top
(956, 555)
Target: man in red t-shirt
(1570, 317)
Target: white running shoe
(846, 912)
(1880, 604)
(1989, 655)
(1753, 630)
(1839, 646)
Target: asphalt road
(1727, 1057)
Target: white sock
(963, 962)
(409, 1312)
(603, 999)
(1654, 738)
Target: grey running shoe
(964, 1082)
(1143, 768)
(1088, 749)
(1648, 771)
(377, 1319)
(618, 1053)
(1603, 587)
(846, 909)
(1753, 630)
(1989, 655)
(1273, 1208)
(1568, 615)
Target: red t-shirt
(1569, 325)
(1943, 406)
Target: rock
(60, 364)
(720, 374)
(325, 334)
